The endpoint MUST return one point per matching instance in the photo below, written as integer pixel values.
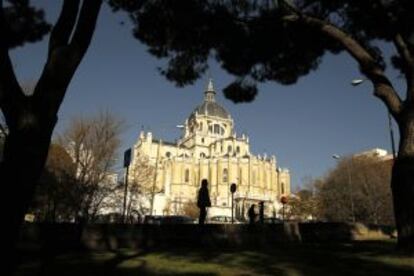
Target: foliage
(260, 41)
(362, 182)
(93, 145)
(141, 185)
(51, 202)
(283, 40)
(78, 179)
(303, 206)
(190, 209)
(25, 23)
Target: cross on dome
(210, 93)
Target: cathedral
(209, 149)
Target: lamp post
(127, 162)
(337, 157)
(233, 188)
(357, 82)
(283, 200)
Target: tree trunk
(25, 152)
(403, 183)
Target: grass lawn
(362, 258)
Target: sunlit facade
(209, 148)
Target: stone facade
(209, 148)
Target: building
(381, 154)
(209, 148)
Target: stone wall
(113, 236)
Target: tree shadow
(302, 259)
(353, 258)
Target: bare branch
(93, 143)
(403, 50)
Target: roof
(164, 142)
(211, 109)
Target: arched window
(229, 149)
(202, 155)
(216, 129)
(282, 188)
(238, 149)
(225, 175)
(187, 175)
(168, 154)
(202, 140)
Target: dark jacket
(203, 199)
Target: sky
(303, 124)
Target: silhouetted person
(203, 201)
(252, 214)
(261, 212)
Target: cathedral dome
(209, 107)
(212, 109)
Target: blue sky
(302, 124)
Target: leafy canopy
(25, 23)
(255, 40)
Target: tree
(142, 184)
(51, 202)
(93, 144)
(281, 41)
(358, 188)
(303, 205)
(31, 118)
(190, 209)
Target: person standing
(252, 214)
(203, 201)
(261, 212)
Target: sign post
(127, 161)
(283, 200)
(233, 188)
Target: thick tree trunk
(25, 153)
(403, 184)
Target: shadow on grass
(361, 258)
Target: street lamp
(357, 82)
(338, 157)
(283, 200)
(233, 188)
(127, 162)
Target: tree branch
(406, 55)
(11, 93)
(64, 60)
(64, 26)
(368, 65)
(85, 26)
